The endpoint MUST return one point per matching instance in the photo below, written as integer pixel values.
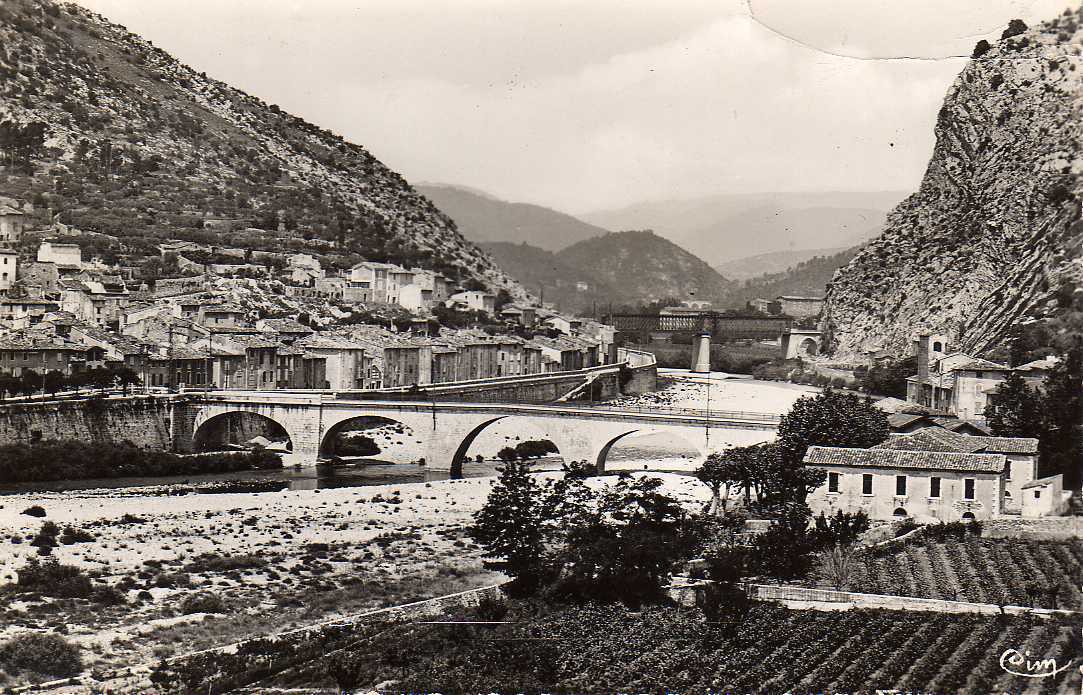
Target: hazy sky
(601, 103)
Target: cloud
(597, 105)
(728, 107)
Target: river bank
(276, 559)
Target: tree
(1017, 410)
(716, 473)
(509, 527)
(534, 448)
(735, 468)
(785, 550)
(889, 379)
(830, 418)
(53, 381)
(625, 548)
(842, 528)
(125, 377)
(1061, 447)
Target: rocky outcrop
(992, 236)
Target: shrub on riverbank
(74, 460)
(41, 654)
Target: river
(364, 473)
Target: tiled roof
(980, 365)
(897, 420)
(1042, 364)
(1041, 482)
(940, 439)
(890, 458)
(955, 424)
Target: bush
(203, 603)
(74, 535)
(36, 510)
(42, 654)
(905, 526)
(74, 460)
(212, 562)
(50, 578)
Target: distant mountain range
(724, 228)
(484, 218)
(770, 263)
(762, 245)
(808, 278)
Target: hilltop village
(262, 321)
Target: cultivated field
(983, 570)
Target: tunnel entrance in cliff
(239, 431)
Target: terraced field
(1008, 571)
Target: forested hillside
(115, 136)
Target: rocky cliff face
(992, 236)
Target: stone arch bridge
(580, 432)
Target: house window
(979, 375)
(1037, 494)
(934, 486)
(968, 488)
(1008, 473)
(900, 486)
(866, 484)
(832, 482)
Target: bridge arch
(603, 453)
(238, 427)
(393, 439)
(531, 431)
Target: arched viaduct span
(581, 433)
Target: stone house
(344, 360)
(221, 316)
(19, 314)
(63, 255)
(9, 265)
(928, 486)
(960, 384)
(1021, 454)
(12, 224)
(473, 300)
(41, 353)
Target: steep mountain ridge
(484, 218)
(992, 235)
(142, 147)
